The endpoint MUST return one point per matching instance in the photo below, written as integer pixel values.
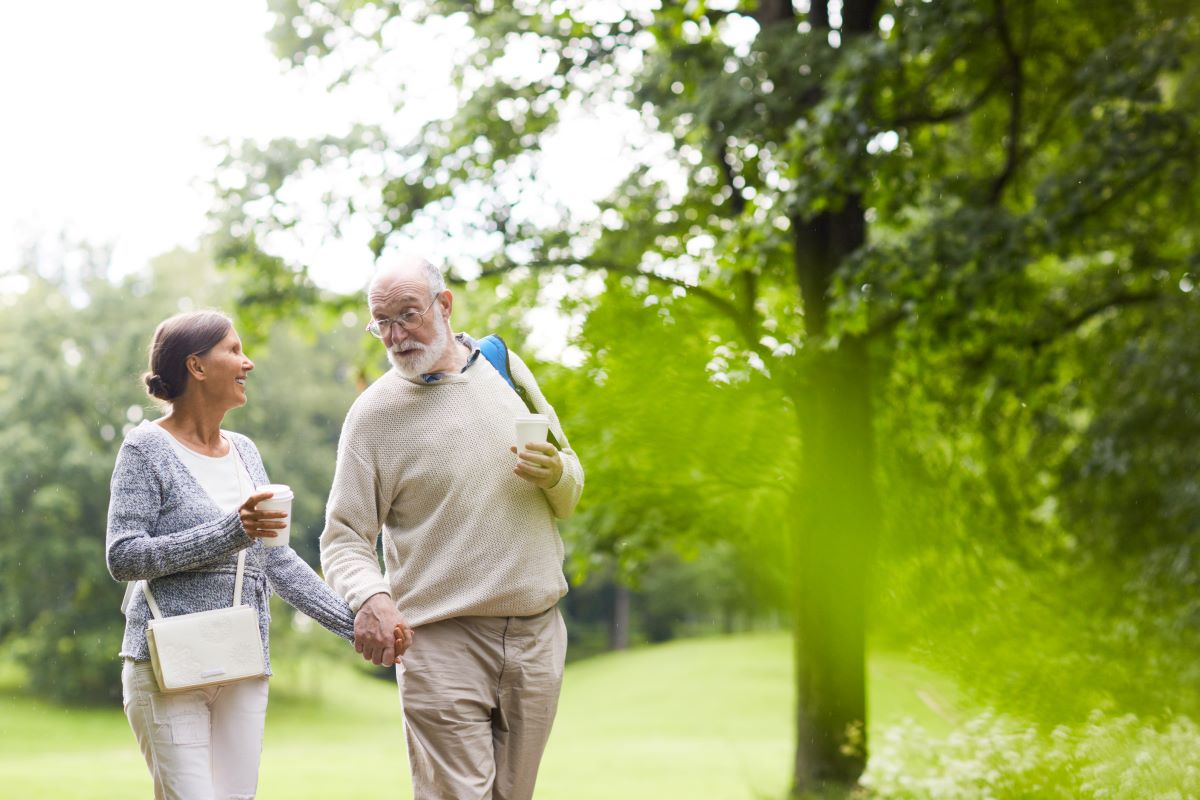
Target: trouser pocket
(184, 715)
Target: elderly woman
(182, 508)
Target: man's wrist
(369, 593)
(378, 598)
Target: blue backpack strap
(495, 351)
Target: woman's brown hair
(176, 338)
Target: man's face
(412, 352)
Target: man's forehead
(397, 290)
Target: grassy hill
(700, 718)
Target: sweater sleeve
(564, 495)
(353, 519)
(296, 582)
(135, 500)
(290, 575)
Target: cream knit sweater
(430, 465)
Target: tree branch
(858, 16)
(738, 199)
(1072, 324)
(885, 325)
(931, 117)
(1119, 300)
(818, 14)
(933, 73)
(770, 12)
(749, 292)
(1122, 191)
(744, 320)
(1016, 78)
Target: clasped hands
(380, 633)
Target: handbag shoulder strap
(237, 588)
(150, 599)
(496, 352)
(237, 583)
(240, 465)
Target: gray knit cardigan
(163, 526)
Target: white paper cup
(531, 428)
(281, 500)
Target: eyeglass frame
(420, 316)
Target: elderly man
(473, 556)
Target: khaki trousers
(479, 696)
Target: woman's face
(223, 371)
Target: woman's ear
(195, 367)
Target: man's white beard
(417, 359)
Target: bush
(997, 757)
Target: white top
(224, 478)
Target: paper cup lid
(279, 491)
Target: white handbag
(206, 648)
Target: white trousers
(199, 745)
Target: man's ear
(195, 367)
(447, 301)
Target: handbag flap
(207, 647)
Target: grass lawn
(699, 718)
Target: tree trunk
(618, 632)
(836, 519)
(836, 516)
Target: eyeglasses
(409, 320)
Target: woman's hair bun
(156, 386)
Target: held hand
(539, 463)
(261, 524)
(374, 629)
(404, 640)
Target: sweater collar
(462, 338)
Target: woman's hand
(261, 524)
(404, 640)
(539, 463)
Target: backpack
(496, 352)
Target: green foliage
(71, 356)
(680, 453)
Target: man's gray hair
(394, 261)
(433, 276)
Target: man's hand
(375, 630)
(539, 463)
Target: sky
(108, 107)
